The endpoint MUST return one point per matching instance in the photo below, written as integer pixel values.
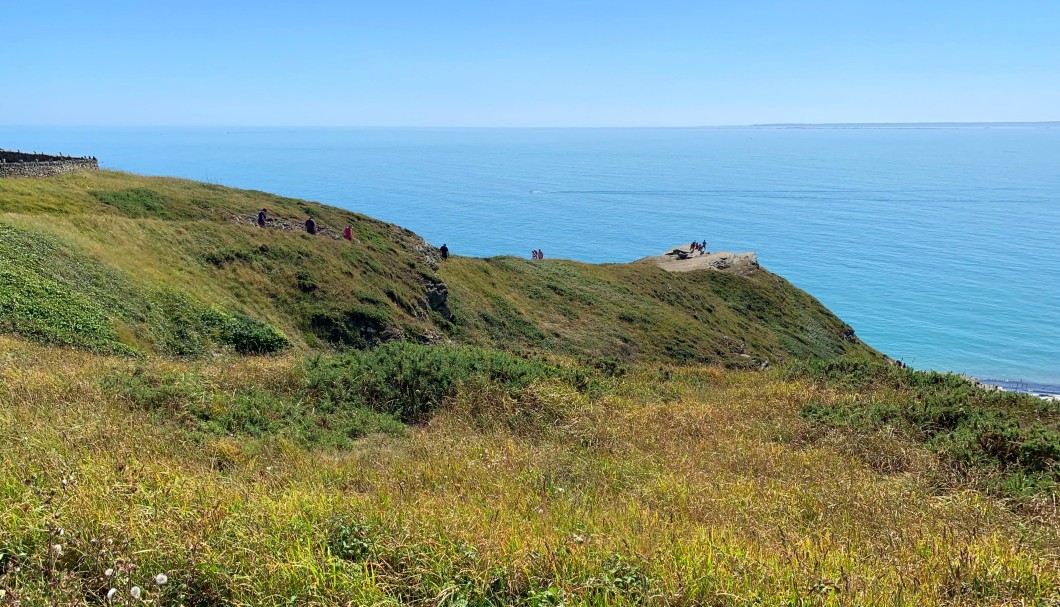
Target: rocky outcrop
(681, 259)
(438, 298)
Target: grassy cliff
(270, 418)
(122, 263)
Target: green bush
(188, 401)
(245, 334)
(410, 381)
(1007, 434)
(357, 327)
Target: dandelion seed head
(135, 592)
(161, 579)
(108, 572)
(58, 549)
(111, 593)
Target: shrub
(1005, 433)
(357, 327)
(410, 381)
(205, 410)
(249, 336)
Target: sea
(939, 244)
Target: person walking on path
(263, 217)
(310, 226)
(444, 251)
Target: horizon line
(949, 123)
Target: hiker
(310, 226)
(348, 233)
(540, 254)
(533, 254)
(703, 248)
(263, 217)
(444, 251)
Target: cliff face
(118, 262)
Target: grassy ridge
(640, 311)
(156, 254)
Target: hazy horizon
(939, 124)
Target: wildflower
(58, 549)
(111, 593)
(161, 579)
(135, 592)
(108, 572)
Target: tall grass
(676, 486)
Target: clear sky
(527, 62)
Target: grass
(57, 295)
(141, 260)
(144, 243)
(1012, 439)
(631, 312)
(476, 432)
(675, 485)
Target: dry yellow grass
(693, 486)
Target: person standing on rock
(444, 251)
(263, 217)
(310, 226)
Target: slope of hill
(478, 432)
(123, 263)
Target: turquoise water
(941, 246)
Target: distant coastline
(1041, 390)
(906, 125)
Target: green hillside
(195, 411)
(122, 263)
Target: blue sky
(528, 63)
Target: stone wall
(20, 164)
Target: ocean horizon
(937, 243)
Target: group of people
(537, 254)
(697, 247)
(311, 228)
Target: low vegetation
(526, 483)
(123, 263)
(196, 411)
(1012, 439)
